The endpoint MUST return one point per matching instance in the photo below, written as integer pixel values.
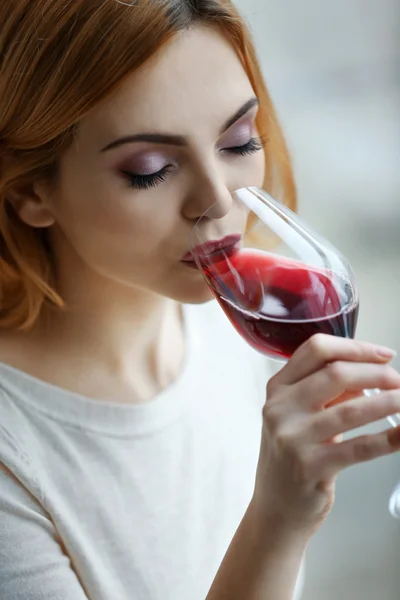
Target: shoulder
(15, 426)
(13, 361)
(14, 435)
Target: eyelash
(253, 145)
(143, 182)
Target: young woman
(139, 458)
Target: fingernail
(385, 352)
(394, 437)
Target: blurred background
(333, 69)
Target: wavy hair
(58, 60)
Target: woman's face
(149, 162)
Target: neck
(130, 338)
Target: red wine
(276, 303)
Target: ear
(32, 204)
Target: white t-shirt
(107, 501)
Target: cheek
(250, 171)
(259, 168)
(110, 217)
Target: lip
(227, 244)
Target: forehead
(196, 81)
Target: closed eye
(144, 182)
(252, 146)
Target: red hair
(58, 60)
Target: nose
(210, 197)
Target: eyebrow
(178, 140)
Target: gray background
(333, 69)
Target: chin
(200, 298)
(195, 293)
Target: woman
(137, 459)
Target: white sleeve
(32, 563)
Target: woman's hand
(315, 398)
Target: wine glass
(277, 281)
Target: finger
(329, 460)
(343, 398)
(321, 349)
(327, 424)
(337, 378)
(347, 396)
